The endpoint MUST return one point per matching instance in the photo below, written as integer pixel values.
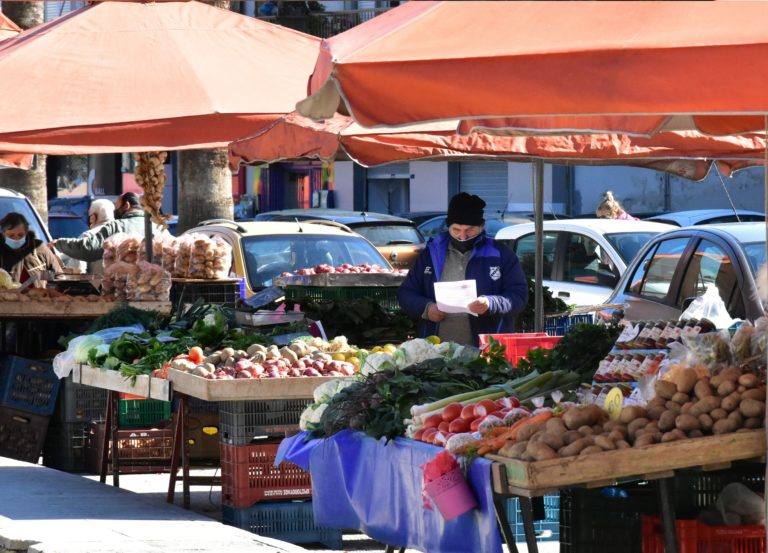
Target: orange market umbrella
(688, 154)
(423, 61)
(16, 161)
(130, 76)
(8, 29)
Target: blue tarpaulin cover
(376, 487)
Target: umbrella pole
(538, 207)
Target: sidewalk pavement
(46, 511)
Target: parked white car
(583, 258)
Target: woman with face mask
(465, 252)
(22, 255)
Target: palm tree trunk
(205, 190)
(31, 183)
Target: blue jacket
(492, 265)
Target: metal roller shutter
(487, 179)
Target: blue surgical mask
(15, 244)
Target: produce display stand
(658, 462)
(379, 287)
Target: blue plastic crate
(546, 530)
(558, 326)
(293, 522)
(28, 385)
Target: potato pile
(689, 407)
(150, 175)
(202, 257)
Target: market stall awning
(135, 76)
(688, 154)
(16, 161)
(8, 29)
(429, 61)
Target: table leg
(178, 436)
(503, 520)
(183, 412)
(530, 533)
(104, 445)
(115, 449)
(665, 497)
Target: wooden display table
(51, 309)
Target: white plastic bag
(740, 505)
(709, 306)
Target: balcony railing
(325, 24)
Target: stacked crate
(77, 406)
(257, 496)
(28, 390)
(203, 430)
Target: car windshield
(20, 205)
(266, 257)
(629, 243)
(389, 235)
(755, 252)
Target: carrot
(497, 442)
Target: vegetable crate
(141, 450)
(386, 296)
(195, 406)
(80, 403)
(138, 413)
(516, 346)
(28, 385)
(293, 522)
(216, 292)
(64, 447)
(558, 326)
(248, 475)
(22, 434)
(547, 529)
(601, 522)
(241, 421)
(203, 436)
(695, 537)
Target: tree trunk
(31, 183)
(205, 187)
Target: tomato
(418, 434)
(433, 421)
(443, 426)
(429, 435)
(485, 407)
(459, 425)
(468, 412)
(196, 354)
(452, 411)
(475, 424)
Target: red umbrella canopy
(130, 76)
(8, 29)
(426, 61)
(16, 161)
(688, 154)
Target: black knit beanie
(465, 209)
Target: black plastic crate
(80, 403)
(216, 292)
(22, 434)
(141, 450)
(28, 385)
(196, 406)
(64, 447)
(547, 529)
(293, 522)
(241, 421)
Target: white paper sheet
(455, 297)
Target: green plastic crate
(137, 413)
(386, 296)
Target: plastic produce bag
(709, 306)
(184, 254)
(170, 252)
(736, 505)
(149, 282)
(157, 249)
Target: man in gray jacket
(129, 218)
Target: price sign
(614, 401)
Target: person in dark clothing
(465, 252)
(22, 255)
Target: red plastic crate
(517, 345)
(248, 476)
(695, 537)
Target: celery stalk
(417, 410)
(424, 416)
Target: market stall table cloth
(376, 487)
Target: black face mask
(463, 245)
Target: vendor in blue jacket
(465, 252)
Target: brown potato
(628, 414)
(681, 398)
(724, 426)
(741, 389)
(753, 422)
(702, 388)
(654, 413)
(585, 415)
(706, 405)
(571, 436)
(636, 425)
(731, 402)
(706, 422)
(621, 444)
(718, 414)
(686, 423)
(665, 389)
(513, 450)
(755, 393)
(695, 433)
(597, 429)
(687, 406)
(574, 448)
(736, 417)
(605, 443)
(555, 425)
(617, 435)
(752, 408)
(646, 439)
(553, 440)
(748, 380)
(726, 388)
(590, 449)
(673, 436)
(586, 430)
(667, 421)
(540, 451)
(673, 406)
(529, 430)
(657, 401)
